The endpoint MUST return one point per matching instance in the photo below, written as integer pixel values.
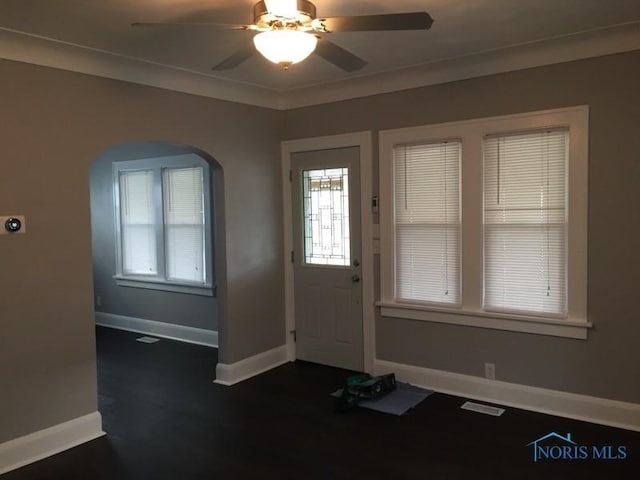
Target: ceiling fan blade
(368, 23)
(236, 59)
(340, 57)
(182, 25)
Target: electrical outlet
(490, 371)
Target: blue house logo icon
(546, 451)
(554, 446)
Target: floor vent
(147, 340)
(486, 409)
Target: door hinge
(292, 257)
(290, 175)
(293, 332)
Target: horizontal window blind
(184, 224)
(525, 231)
(137, 223)
(427, 222)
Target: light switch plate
(4, 218)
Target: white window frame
(159, 281)
(472, 133)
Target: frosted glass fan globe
(285, 46)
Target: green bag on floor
(365, 387)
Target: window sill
(148, 284)
(497, 321)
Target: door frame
(362, 140)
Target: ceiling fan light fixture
(285, 47)
(285, 12)
(282, 8)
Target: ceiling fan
(288, 31)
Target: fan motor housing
(306, 12)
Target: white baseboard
(198, 336)
(603, 411)
(230, 374)
(44, 443)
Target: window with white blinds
(525, 231)
(488, 229)
(137, 223)
(426, 188)
(184, 223)
(164, 221)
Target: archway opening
(157, 271)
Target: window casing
(559, 220)
(163, 224)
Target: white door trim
(363, 141)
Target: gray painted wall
(170, 307)
(54, 123)
(608, 363)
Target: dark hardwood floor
(166, 419)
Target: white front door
(327, 257)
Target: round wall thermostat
(12, 225)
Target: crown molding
(48, 52)
(43, 51)
(594, 43)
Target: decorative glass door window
(326, 216)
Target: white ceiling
(468, 38)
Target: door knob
(355, 278)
